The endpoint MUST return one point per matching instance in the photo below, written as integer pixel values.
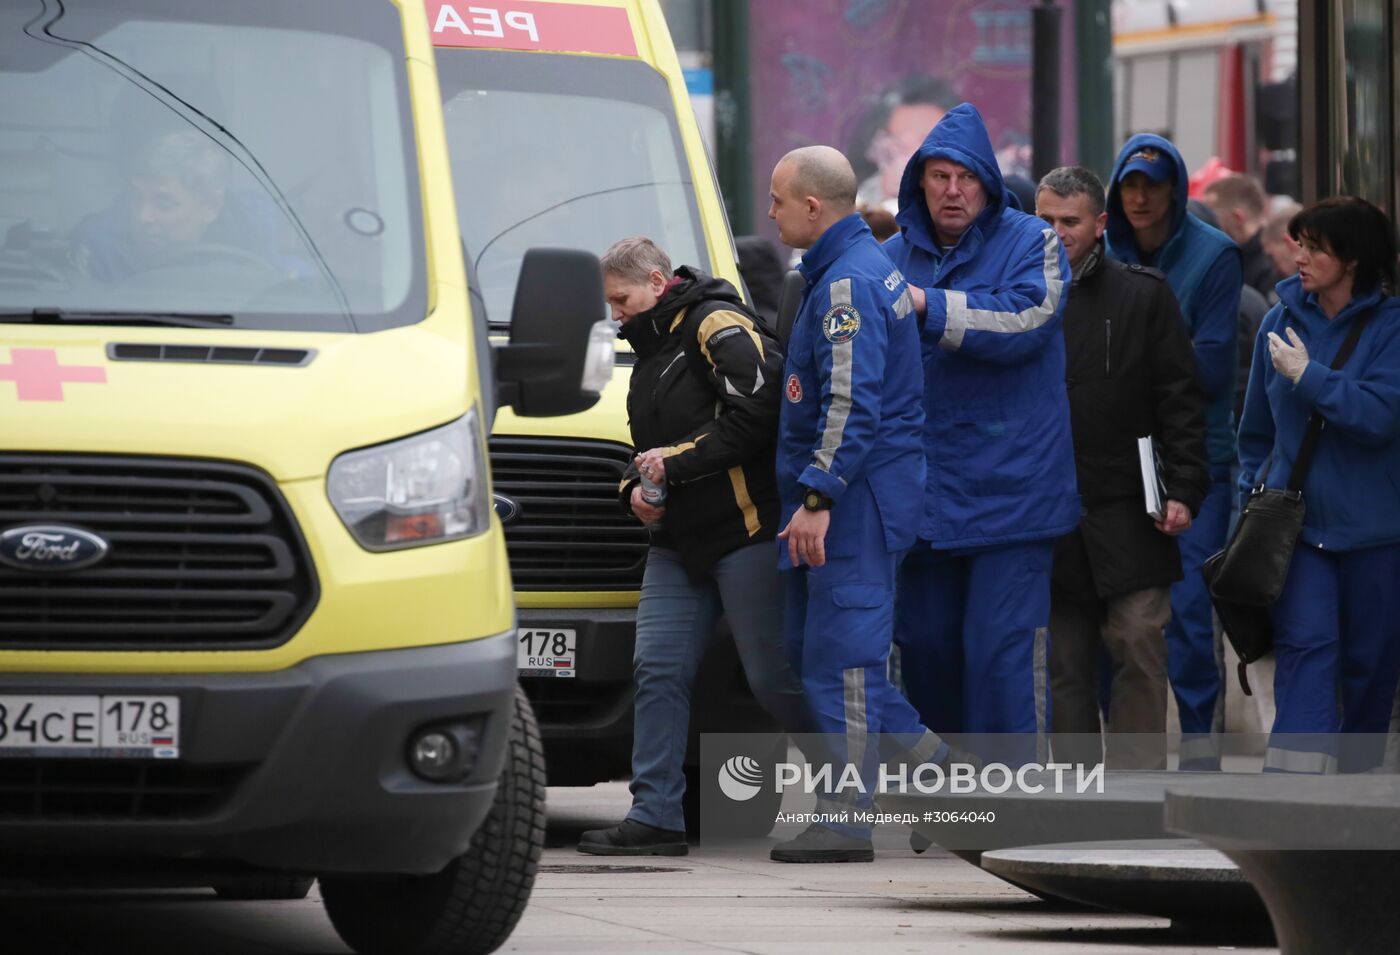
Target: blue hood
(1120, 231)
(960, 136)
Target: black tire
(471, 906)
(287, 888)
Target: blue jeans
(675, 622)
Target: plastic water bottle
(653, 492)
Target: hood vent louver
(212, 354)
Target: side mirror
(554, 336)
(793, 287)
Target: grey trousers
(1130, 627)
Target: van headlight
(425, 489)
(598, 361)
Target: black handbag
(1246, 578)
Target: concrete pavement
(712, 901)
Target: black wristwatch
(814, 500)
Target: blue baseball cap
(1150, 161)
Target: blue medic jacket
(1203, 267)
(852, 388)
(1352, 491)
(997, 432)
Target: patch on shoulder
(841, 324)
(722, 334)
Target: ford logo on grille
(50, 548)
(506, 509)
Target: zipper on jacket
(655, 414)
(1107, 343)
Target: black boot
(633, 838)
(820, 844)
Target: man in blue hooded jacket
(988, 284)
(1149, 224)
(849, 473)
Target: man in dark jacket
(1241, 208)
(1149, 224)
(703, 409)
(1131, 374)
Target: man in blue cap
(988, 284)
(1149, 224)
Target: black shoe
(633, 838)
(919, 842)
(820, 844)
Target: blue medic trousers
(1192, 665)
(974, 642)
(840, 621)
(1336, 638)
(675, 622)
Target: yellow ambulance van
(569, 123)
(256, 619)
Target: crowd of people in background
(947, 457)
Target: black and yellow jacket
(705, 389)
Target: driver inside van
(177, 201)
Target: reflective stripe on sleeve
(962, 319)
(840, 407)
(904, 304)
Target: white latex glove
(1290, 360)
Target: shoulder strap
(1308, 447)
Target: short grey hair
(1067, 181)
(635, 258)
(823, 172)
(187, 157)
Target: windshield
(253, 159)
(562, 151)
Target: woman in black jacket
(703, 407)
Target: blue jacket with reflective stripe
(852, 409)
(997, 433)
(1203, 267)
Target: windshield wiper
(215, 131)
(65, 316)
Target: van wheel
(285, 888)
(471, 906)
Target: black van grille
(569, 533)
(202, 555)
(113, 789)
